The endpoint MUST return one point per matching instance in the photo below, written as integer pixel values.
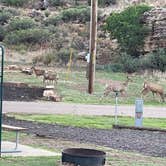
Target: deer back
(153, 87)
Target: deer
(117, 87)
(27, 71)
(154, 88)
(50, 77)
(38, 72)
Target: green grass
(135, 160)
(29, 161)
(99, 122)
(74, 90)
(115, 159)
(16, 76)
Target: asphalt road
(80, 109)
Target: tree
(127, 28)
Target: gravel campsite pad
(151, 143)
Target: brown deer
(154, 88)
(27, 71)
(50, 77)
(117, 86)
(38, 72)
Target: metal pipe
(1, 95)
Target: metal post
(93, 39)
(1, 95)
(116, 108)
(17, 140)
(138, 112)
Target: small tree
(126, 27)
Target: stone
(155, 19)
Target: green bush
(29, 36)
(57, 2)
(103, 2)
(155, 60)
(129, 64)
(21, 24)
(106, 2)
(53, 20)
(4, 17)
(47, 58)
(63, 56)
(17, 3)
(126, 27)
(80, 13)
(12, 11)
(72, 14)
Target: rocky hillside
(68, 31)
(156, 21)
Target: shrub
(72, 14)
(103, 2)
(29, 36)
(21, 24)
(106, 2)
(82, 14)
(49, 58)
(17, 3)
(4, 17)
(46, 58)
(63, 56)
(129, 64)
(53, 20)
(12, 11)
(47, 13)
(128, 30)
(57, 2)
(155, 60)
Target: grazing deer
(154, 88)
(38, 72)
(27, 71)
(50, 77)
(14, 67)
(117, 86)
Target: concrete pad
(26, 151)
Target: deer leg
(43, 81)
(153, 95)
(123, 93)
(106, 92)
(162, 97)
(144, 92)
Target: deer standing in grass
(38, 72)
(50, 77)
(154, 88)
(117, 86)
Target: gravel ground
(151, 143)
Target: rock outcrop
(156, 22)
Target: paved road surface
(81, 109)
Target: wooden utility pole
(92, 47)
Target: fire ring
(83, 157)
